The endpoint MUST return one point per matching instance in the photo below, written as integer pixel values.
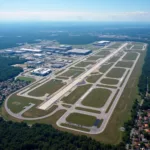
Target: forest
(19, 136)
(7, 71)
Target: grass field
(75, 127)
(84, 64)
(62, 78)
(138, 46)
(93, 78)
(49, 87)
(72, 73)
(76, 94)
(35, 112)
(130, 56)
(109, 81)
(88, 110)
(26, 79)
(77, 68)
(116, 45)
(17, 103)
(81, 119)
(105, 68)
(105, 53)
(116, 73)
(125, 64)
(114, 59)
(97, 98)
(94, 58)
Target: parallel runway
(52, 100)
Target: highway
(56, 97)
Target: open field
(94, 57)
(25, 79)
(97, 98)
(49, 87)
(77, 68)
(103, 53)
(109, 81)
(81, 119)
(125, 64)
(93, 78)
(75, 127)
(130, 56)
(116, 45)
(104, 68)
(17, 103)
(72, 73)
(35, 112)
(62, 78)
(84, 64)
(88, 110)
(116, 73)
(114, 59)
(76, 94)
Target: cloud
(75, 16)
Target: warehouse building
(79, 52)
(58, 65)
(101, 43)
(31, 50)
(67, 47)
(41, 71)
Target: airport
(77, 82)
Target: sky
(75, 10)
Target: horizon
(75, 11)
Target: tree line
(7, 71)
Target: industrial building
(79, 52)
(60, 65)
(67, 47)
(31, 50)
(102, 43)
(38, 55)
(41, 71)
(61, 49)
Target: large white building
(101, 43)
(31, 50)
(41, 71)
(79, 52)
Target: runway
(56, 97)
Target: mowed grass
(105, 53)
(17, 103)
(48, 88)
(125, 64)
(105, 68)
(84, 64)
(122, 112)
(75, 127)
(94, 57)
(26, 79)
(116, 73)
(109, 81)
(116, 45)
(130, 56)
(35, 112)
(114, 59)
(88, 110)
(93, 78)
(76, 94)
(97, 98)
(81, 119)
(72, 73)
